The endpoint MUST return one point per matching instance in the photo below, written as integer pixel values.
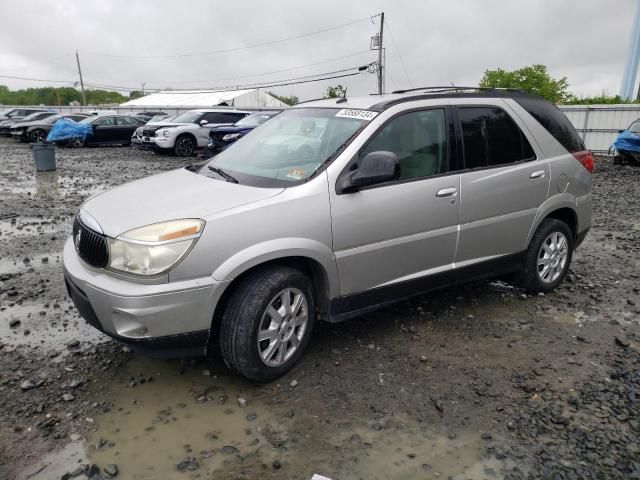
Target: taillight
(585, 158)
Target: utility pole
(380, 67)
(143, 84)
(84, 99)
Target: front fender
(280, 248)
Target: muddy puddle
(52, 185)
(48, 326)
(20, 226)
(174, 424)
(30, 263)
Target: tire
(255, 305)
(536, 277)
(76, 142)
(185, 146)
(37, 135)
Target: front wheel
(38, 136)
(548, 257)
(267, 323)
(185, 146)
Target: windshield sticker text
(295, 173)
(366, 115)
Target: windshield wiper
(223, 174)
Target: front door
(503, 184)
(391, 234)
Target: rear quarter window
(554, 121)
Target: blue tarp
(627, 142)
(66, 129)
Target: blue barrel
(44, 156)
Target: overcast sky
(427, 42)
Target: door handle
(447, 192)
(537, 174)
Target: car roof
(379, 103)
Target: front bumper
(166, 319)
(141, 143)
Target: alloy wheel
(552, 257)
(282, 327)
(184, 147)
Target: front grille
(149, 132)
(91, 246)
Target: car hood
(231, 129)
(28, 124)
(168, 196)
(171, 125)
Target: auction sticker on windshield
(359, 114)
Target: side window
(491, 138)
(419, 140)
(124, 121)
(104, 122)
(222, 117)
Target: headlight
(155, 248)
(230, 136)
(165, 133)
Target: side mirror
(203, 123)
(620, 131)
(375, 168)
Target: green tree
(292, 100)
(135, 94)
(336, 92)
(533, 79)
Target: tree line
(57, 96)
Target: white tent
(253, 98)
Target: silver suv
(331, 209)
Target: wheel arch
(311, 267)
(563, 210)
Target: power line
(38, 79)
(275, 71)
(276, 83)
(235, 49)
(395, 45)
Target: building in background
(185, 99)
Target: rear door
(503, 182)
(125, 126)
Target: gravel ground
(478, 381)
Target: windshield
(36, 116)
(635, 127)
(52, 119)
(252, 120)
(290, 147)
(188, 117)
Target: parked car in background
(147, 115)
(329, 210)
(37, 130)
(108, 130)
(626, 147)
(19, 113)
(6, 125)
(138, 139)
(190, 131)
(221, 137)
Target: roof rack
(455, 88)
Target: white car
(190, 131)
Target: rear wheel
(37, 135)
(185, 146)
(548, 257)
(267, 323)
(76, 142)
